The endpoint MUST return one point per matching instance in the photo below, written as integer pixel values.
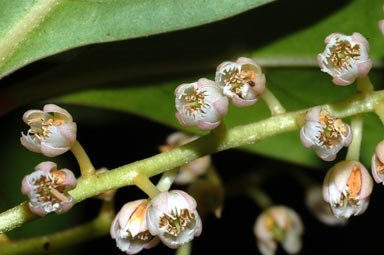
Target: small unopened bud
(345, 58)
(47, 189)
(172, 216)
(325, 133)
(347, 187)
(200, 104)
(52, 131)
(278, 224)
(242, 81)
(130, 229)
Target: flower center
(175, 223)
(342, 53)
(277, 232)
(41, 127)
(195, 102)
(51, 189)
(236, 80)
(380, 167)
(334, 129)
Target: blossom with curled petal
(319, 208)
(172, 216)
(242, 81)
(278, 223)
(378, 163)
(130, 230)
(347, 187)
(47, 189)
(200, 104)
(52, 131)
(345, 58)
(325, 133)
(191, 171)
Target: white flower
(49, 134)
(319, 208)
(242, 81)
(200, 104)
(130, 230)
(347, 187)
(278, 223)
(325, 133)
(47, 189)
(172, 216)
(345, 58)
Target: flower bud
(52, 131)
(377, 163)
(130, 229)
(319, 208)
(278, 223)
(47, 189)
(191, 171)
(325, 133)
(347, 187)
(242, 81)
(345, 58)
(173, 217)
(200, 104)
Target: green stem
(184, 249)
(82, 158)
(364, 84)
(379, 110)
(167, 179)
(237, 136)
(143, 182)
(357, 130)
(260, 197)
(273, 103)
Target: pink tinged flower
(345, 58)
(319, 208)
(200, 104)
(172, 216)
(47, 189)
(130, 230)
(347, 187)
(278, 224)
(378, 163)
(52, 131)
(191, 171)
(325, 133)
(242, 81)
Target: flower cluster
(170, 216)
(204, 103)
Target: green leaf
(30, 30)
